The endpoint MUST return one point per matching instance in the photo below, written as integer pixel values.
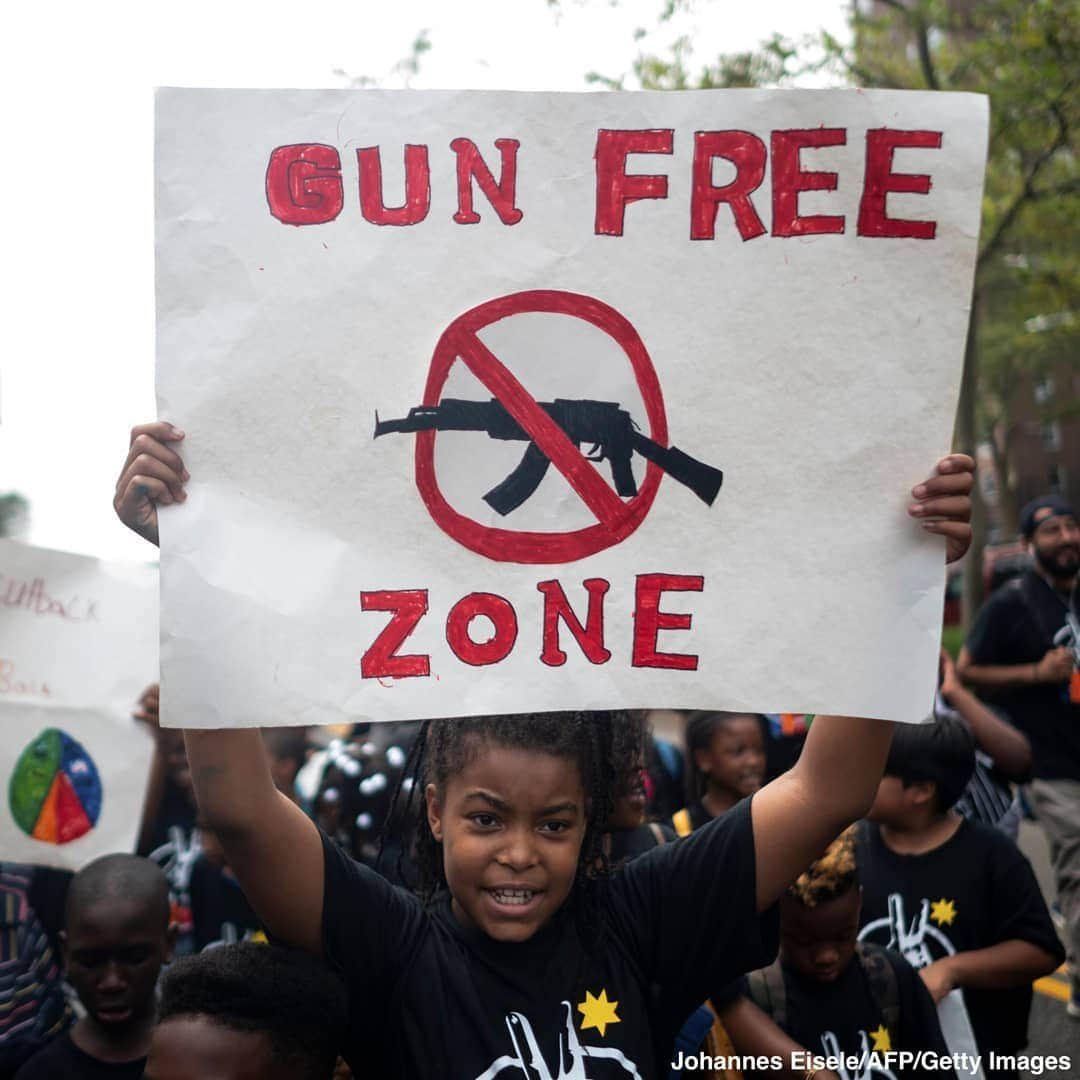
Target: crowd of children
(491, 897)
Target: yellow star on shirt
(943, 912)
(882, 1042)
(598, 1012)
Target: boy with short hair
(828, 995)
(116, 938)
(247, 1012)
(955, 897)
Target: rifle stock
(703, 480)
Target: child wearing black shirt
(116, 938)
(524, 954)
(828, 995)
(955, 897)
(726, 756)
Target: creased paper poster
(499, 402)
(78, 644)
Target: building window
(1051, 435)
(1044, 390)
(1055, 478)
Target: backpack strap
(1025, 586)
(693, 1034)
(705, 1032)
(681, 820)
(766, 986)
(884, 987)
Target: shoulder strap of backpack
(1025, 586)
(681, 820)
(884, 988)
(766, 986)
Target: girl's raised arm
(802, 811)
(272, 847)
(836, 777)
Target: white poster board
(78, 644)
(777, 284)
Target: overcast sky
(76, 368)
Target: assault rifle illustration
(609, 430)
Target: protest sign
(499, 402)
(78, 644)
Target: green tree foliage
(1026, 56)
(14, 514)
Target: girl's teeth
(512, 896)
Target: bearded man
(1011, 658)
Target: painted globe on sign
(55, 790)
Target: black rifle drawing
(609, 430)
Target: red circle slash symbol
(616, 519)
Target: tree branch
(1028, 191)
(926, 62)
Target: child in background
(170, 802)
(526, 955)
(287, 748)
(220, 913)
(168, 834)
(247, 1012)
(665, 766)
(826, 994)
(629, 833)
(116, 937)
(955, 897)
(726, 755)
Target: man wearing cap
(1012, 659)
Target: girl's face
(734, 760)
(511, 824)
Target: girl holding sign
(528, 961)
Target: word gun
(609, 430)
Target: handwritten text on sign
(639, 434)
(305, 183)
(75, 631)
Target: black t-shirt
(220, 912)
(843, 1017)
(176, 811)
(63, 1060)
(973, 891)
(622, 845)
(429, 997)
(1017, 626)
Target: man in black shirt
(1011, 657)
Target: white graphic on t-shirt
(528, 1061)
(909, 940)
(868, 1065)
(230, 935)
(177, 856)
